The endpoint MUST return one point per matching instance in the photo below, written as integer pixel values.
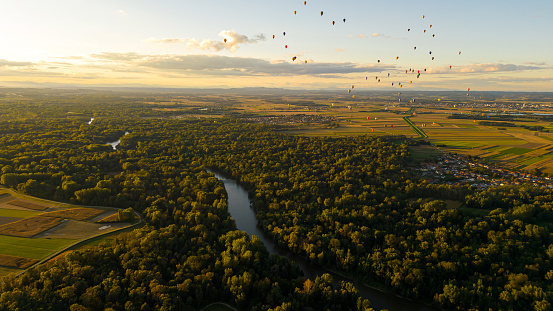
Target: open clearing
(31, 248)
(29, 227)
(29, 205)
(79, 230)
(75, 213)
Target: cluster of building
(456, 170)
(294, 118)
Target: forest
(349, 204)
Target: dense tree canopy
(345, 203)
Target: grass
(5, 271)
(31, 248)
(17, 213)
(75, 213)
(16, 262)
(110, 219)
(29, 227)
(29, 205)
(424, 153)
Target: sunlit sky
(505, 45)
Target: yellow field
(29, 227)
(16, 262)
(75, 213)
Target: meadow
(511, 147)
(32, 229)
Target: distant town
(453, 169)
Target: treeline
(346, 203)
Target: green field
(31, 248)
(17, 213)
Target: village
(458, 170)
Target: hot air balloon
(366, 78)
(305, 3)
(391, 125)
(344, 20)
(321, 13)
(372, 129)
(400, 85)
(368, 118)
(405, 70)
(332, 22)
(400, 100)
(378, 80)
(414, 48)
(410, 82)
(294, 12)
(294, 58)
(379, 60)
(430, 52)
(408, 29)
(424, 69)
(349, 91)
(439, 99)
(388, 75)
(286, 46)
(418, 75)
(449, 66)
(459, 52)
(430, 26)
(397, 57)
(468, 89)
(352, 86)
(284, 33)
(423, 16)
(424, 31)
(433, 35)
(398, 93)
(353, 97)
(273, 36)
(392, 83)
(432, 57)
(418, 71)
(225, 40)
(306, 62)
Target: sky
(490, 45)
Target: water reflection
(240, 209)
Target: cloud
(232, 66)
(339, 50)
(221, 65)
(7, 63)
(117, 56)
(122, 12)
(233, 41)
(486, 68)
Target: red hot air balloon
(286, 46)
(225, 40)
(368, 118)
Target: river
(240, 210)
(116, 143)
